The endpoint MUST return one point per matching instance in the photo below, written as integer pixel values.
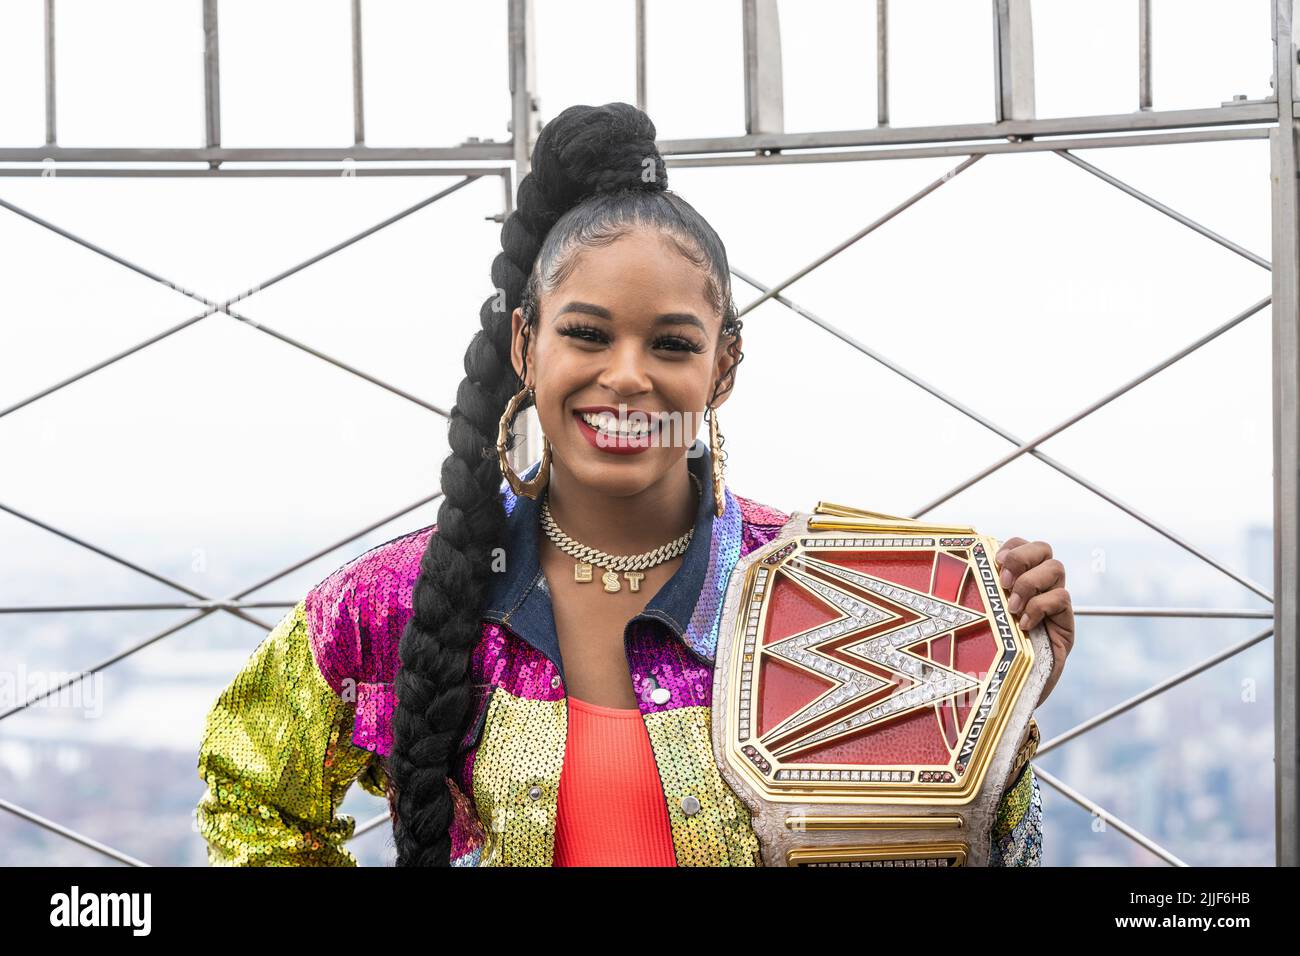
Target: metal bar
(154, 606)
(485, 150)
(358, 93)
(973, 149)
(523, 127)
(882, 62)
(523, 80)
(125, 562)
(1205, 612)
(211, 78)
(1003, 433)
(1285, 167)
(1013, 60)
(1144, 54)
(640, 55)
(1122, 123)
(1183, 675)
(1161, 207)
(1049, 126)
(51, 119)
(840, 247)
(227, 173)
(377, 820)
(1096, 808)
(761, 51)
(1027, 146)
(72, 835)
(339, 363)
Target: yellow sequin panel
(516, 778)
(278, 758)
(1011, 808)
(710, 824)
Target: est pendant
(582, 573)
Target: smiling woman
(497, 702)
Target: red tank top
(611, 809)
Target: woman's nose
(626, 371)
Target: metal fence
(1014, 129)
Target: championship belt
(872, 694)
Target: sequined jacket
(310, 713)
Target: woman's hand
(1035, 583)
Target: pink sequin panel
(503, 660)
(761, 524)
(658, 660)
(358, 613)
(373, 726)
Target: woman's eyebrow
(680, 318)
(668, 318)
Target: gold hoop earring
(533, 487)
(715, 449)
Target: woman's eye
(584, 332)
(678, 344)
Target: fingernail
(1007, 578)
(1024, 621)
(1014, 604)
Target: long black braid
(595, 174)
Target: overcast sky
(1024, 287)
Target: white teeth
(608, 423)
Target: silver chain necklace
(633, 566)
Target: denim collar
(688, 603)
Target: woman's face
(630, 332)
